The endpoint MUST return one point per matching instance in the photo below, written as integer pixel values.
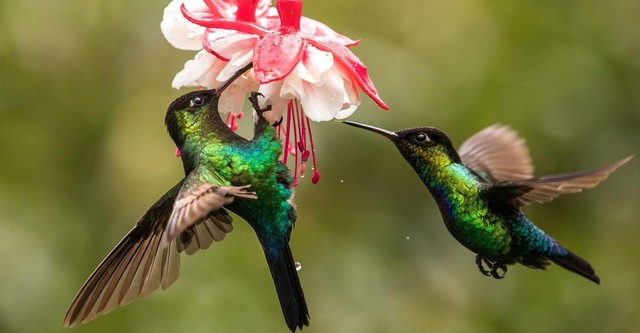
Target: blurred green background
(84, 86)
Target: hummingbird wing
(497, 154)
(141, 264)
(197, 200)
(543, 189)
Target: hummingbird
(481, 190)
(223, 170)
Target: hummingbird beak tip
(388, 134)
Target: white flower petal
(228, 42)
(352, 92)
(292, 86)
(232, 99)
(201, 71)
(238, 61)
(181, 33)
(271, 92)
(323, 103)
(314, 64)
(345, 113)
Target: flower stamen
(231, 121)
(316, 173)
(301, 147)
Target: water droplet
(298, 266)
(407, 237)
(342, 180)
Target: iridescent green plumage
(213, 154)
(222, 170)
(480, 193)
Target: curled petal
(277, 54)
(357, 69)
(224, 23)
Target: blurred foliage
(83, 90)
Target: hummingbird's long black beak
(388, 134)
(233, 77)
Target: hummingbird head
(421, 146)
(194, 114)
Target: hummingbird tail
(577, 265)
(290, 295)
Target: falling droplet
(342, 180)
(298, 266)
(303, 168)
(407, 237)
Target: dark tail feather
(285, 277)
(577, 265)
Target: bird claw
(277, 123)
(494, 269)
(253, 98)
(481, 262)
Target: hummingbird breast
(257, 163)
(467, 216)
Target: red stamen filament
(297, 145)
(295, 139)
(231, 121)
(286, 133)
(316, 173)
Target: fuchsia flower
(300, 65)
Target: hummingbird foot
(482, 263)
(491, 268)
(253, 98)
(498, 270)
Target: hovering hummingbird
(220, 167)
(481, 190)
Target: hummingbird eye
(421, 138)
(196, 101)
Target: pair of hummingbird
(480, 190)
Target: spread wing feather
(142, 262)
(497, 154)
(543, 189)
